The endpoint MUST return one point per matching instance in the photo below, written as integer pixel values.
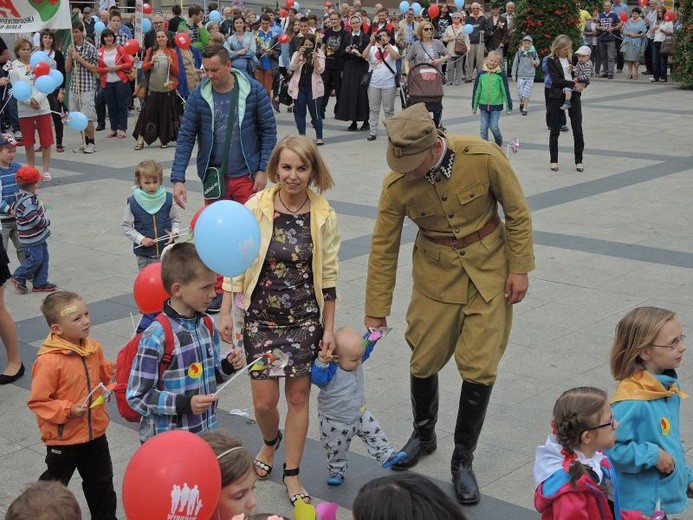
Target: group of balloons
(292, 3)
(433, 9)
(227, 238)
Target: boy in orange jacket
(68, 366)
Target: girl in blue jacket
(648, 455)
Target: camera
(308, 53)
(379, 38)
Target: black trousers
(557, 119)
(100, 107)
(331, 79)
(546, 104)
(57, 118)
(93, 462)
(648, 56)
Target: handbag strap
(382, 57)
(231, 118)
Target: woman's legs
(110, 95)
(300, 105)
(575, 113)
(555, 121)
(8, 334)
(374, 100)
(297, 391)
(265, 399)
(123, 105)
(657, 61)
(314, 109)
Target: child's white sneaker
(47, 176)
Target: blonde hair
(561, 42)
(420, 28)
(19, 43)
(634, 333)
(148, 169)
(496, 54)
(308, 152)
(55, 302)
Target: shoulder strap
(382, 57)
(208, 323)
(168, 344)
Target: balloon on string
(99, 27)
(669, 16)
(643, 3)
(433, 11)
(197, 214)
(77, 121)
(21, 90)
(148, 289)
(283, 39)
(147, 8)
(57, 76)
(39, 57)
(289, 4)
(45, 84)
(146, 25)
(460, 4)
(283, 13)
(41, 69)
(403, 6)
(468, 28)
(173, 458)
(182, 40)
(214, 16)
(131, 47)
(297, 6)
(623, 16)
(416, 6)
(227, 237)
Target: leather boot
(474, 400)
(424, 405)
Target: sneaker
(18, 135)
(335, 479)
(371, 138)
(275, 105)
(90, 148)
(566, 106)
(20, 285)
(78, 150)
(653, 80)
(522, 107)
(319, 142)
(100, 128)
(365, 126)
(47, 176)
(397, 457)
(564, 128)
(352, 127)
(523, 112)
(215, 305)
(46, 287)
(59, 148)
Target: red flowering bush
(683, 55)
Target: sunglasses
(428, 28)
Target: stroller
(425, 85)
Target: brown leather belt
(463, 242)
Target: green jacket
(202, 35)
(491, 91)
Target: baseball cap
(584, 51)
(527, 38)
(7, 140)
(28, 175)
(411, 136)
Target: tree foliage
(683, 56)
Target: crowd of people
(220, 90)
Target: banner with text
(23, 16)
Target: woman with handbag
(458, 43)
(242, 47)
(661, 30)
(382, 89)
(306, 87)
(353, 98)
(113, 67)
(158, 118)
(633, 33)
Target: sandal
(303, 495)
(139, 146)
(262, 465)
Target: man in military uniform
(469, 268)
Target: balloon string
(167, 236)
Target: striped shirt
(84, 80)
(9, 190)
(32, 223)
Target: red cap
(28, 175)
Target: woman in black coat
(560, 69)
(353, 97)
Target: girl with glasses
(572, 473)
(648, 454)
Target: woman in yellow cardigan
(288, 296)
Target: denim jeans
(659, 62)
(35, 265)
(489, 119)
(305, 99)
(9, 116)
(117, 96)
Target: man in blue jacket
(226, 95)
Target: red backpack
(126, 356)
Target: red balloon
(146, 8)
(283, 13)
(289, 4)
(148, 289)
(284, 38)
(163, 467)
(195, 217)
(366, 27)
(623, 16)
(433, 11)
(182, 40)
(643, 3)
(669, 16)
(131, 47)
(41, 69)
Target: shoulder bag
(460, 46)
(397, 76)
(667, 48)
(214, 183)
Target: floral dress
(283, 311)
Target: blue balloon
(39, 57)
(404, 6)
(21, 90)
(146, 25)
(468, 28)
(57, 77)
(459, 4)
(77, 121)
(297, 5)
(214, 16)
(227, 237)
(416, 6)
(45, 84)
(99, 27)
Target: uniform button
(444, 198)
(422, 213)
(450, 215)
(462, 253)
(457, 230)
(471, 195)
(466, 149)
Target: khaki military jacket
(453, 207)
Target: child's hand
(325, 357)
(200, 403)
(172, 238)
(237, 358)
(78, 410)
(148, 242)
(4, 81)
(34, 104)
(666, 463)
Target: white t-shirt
(566, 69)
(382, 77)
(659, 36)
(109, 58)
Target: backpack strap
(209, 324)
(168, 344)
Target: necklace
(294, 213)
